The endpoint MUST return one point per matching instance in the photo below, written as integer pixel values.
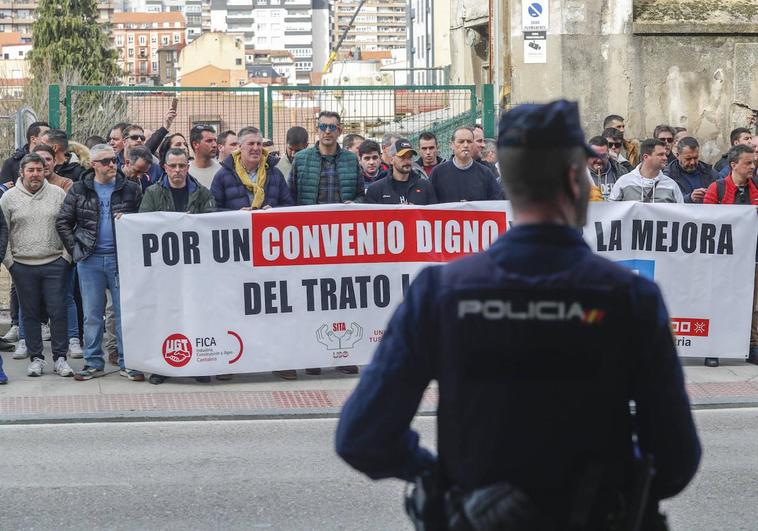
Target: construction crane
(333, 53)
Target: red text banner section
(239, 292)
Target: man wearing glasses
(604, 170)
(615, 140)
(86, 227)
(326, 173)
(322, 174)
(666, 134)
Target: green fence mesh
(93, 110)
(373, 111)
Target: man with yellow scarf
(248, 179)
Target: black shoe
(348, 369)
(203, 379)
(6, 346)
(752, 359)
(711, 362)
(313, 372)
(289, 374)
(157, 379)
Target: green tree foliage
(67, 36)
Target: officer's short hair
(538, 175)
(735, 135)
(369, 146)
(176, 152)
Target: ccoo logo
(177, 350)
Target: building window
(142, 40)
(164, 40)
(155, 66)
(131, 52)
(119, 40)
(238, 61)
(176, 38)
(153, 39)
(130, 39)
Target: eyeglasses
(669, 140)
(137, 137)
(107, 162)
(615, 144)
(328, 127)
(177, 166)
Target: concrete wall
(651, 61)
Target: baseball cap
(401, 147)
(543, 126)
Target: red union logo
(177, 350)
(682, 326)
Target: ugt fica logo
(177, 350)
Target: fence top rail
(306, 88)
(165, 90)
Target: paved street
(278, 474)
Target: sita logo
(177, 350)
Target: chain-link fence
(92, 110)
(373, 111)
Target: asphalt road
(277, 474)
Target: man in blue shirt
(86, 227)
(538, 347)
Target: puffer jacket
(78, 220)
(10, 170)
(69, 169)
(231, 194)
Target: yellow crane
(333, 53)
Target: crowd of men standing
(60, 200)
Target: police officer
(560, 389)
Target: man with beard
(691, 174)
(205, 166)
(604, 170)
(404, 186)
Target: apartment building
(380, 25)
(19, 15)
(138, 36)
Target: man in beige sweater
(38, 261)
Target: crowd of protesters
(60, 199)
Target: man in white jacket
(646, 182)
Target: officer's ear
(572, 187)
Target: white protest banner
(289, 288)
(238, 292)
(701, 256)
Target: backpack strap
(720, 188)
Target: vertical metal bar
(262, 111)
(488, 110)
(69, 109)
(474, 102)
(54, 106)
(270, 105)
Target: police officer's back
(538, 346)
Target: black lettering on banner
(328, 294)
(191, 251)
(252, 294)
(347, 294)
(642, 237)
(405, 282)
(362, 282)
(614, 240)
(708, 238)
(310, 285)
(689, 238)
(170, 244)
(382, 291)
(149, 247)
(726, 244)
(599, 233)
(238, 239)
(660, 236)
(257, 299)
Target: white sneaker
(62, 368)
(12, 335)
(45, 332)
(75, 348)
(21, 352)
(35, 367)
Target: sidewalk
(51, 398)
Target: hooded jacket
(12, 165)
(70, 170)
(605, 180)
(158, 198)
(79, 218)
(231, 194)
(634, 187)
(418, 190)
(702, 177)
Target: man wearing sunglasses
(326, 173)
(666, 134)
(615, 140)
(86, 227)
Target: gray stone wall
(653, 62)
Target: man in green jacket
(326, 173)
(178, 191)
(322, 174)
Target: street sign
(534, 25)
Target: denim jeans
(39, 288)
(71, 315)
(96, 274)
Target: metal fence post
(54, 106)
(488, 110)
(270, 105)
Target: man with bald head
(86, 227)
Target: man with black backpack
(739, 187)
